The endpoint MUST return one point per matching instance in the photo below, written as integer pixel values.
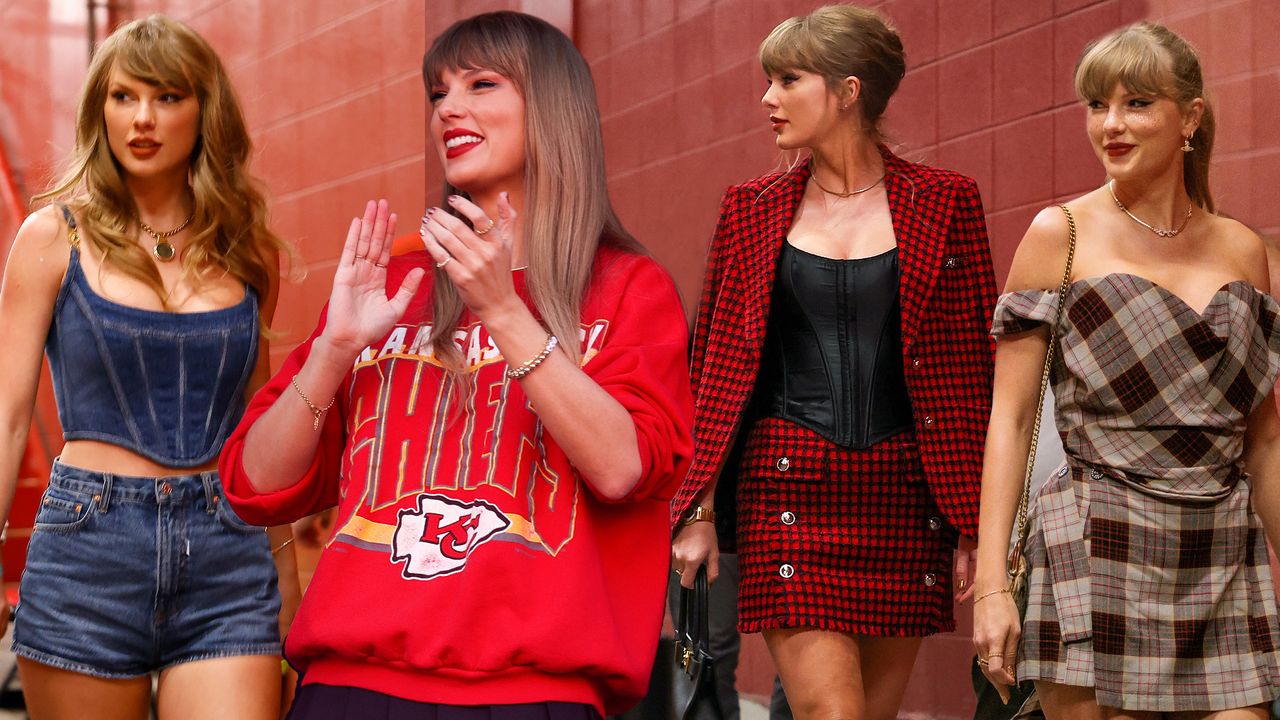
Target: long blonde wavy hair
(229, 229)
(567, 213)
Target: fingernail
(453, 199)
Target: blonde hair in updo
(1150, 59)
(836, 41)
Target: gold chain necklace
(1158, 231)
(851, 193)
(163, 249)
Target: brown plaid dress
(1149, 579)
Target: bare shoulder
(1247, 252)
(40, 247)
(1042, 254)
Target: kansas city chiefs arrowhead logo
(436, 538)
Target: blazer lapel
(771, 218)
(918, 223)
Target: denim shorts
(129, 575)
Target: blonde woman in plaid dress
(1150, 589)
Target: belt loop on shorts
(210, 494)
(104, 500)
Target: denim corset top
(168, 386)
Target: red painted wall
(336, 105)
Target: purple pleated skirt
(329, 702)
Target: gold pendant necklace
(851, 193)
(163, 249)
(1158, 231)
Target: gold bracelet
(989, 594)
(516, 373)
(283, 545)
(316, 412)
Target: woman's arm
(1019, 363)
(697, 543)
(1262, 434)
(975, 300)
(281, 446)
(1262, 461)
(595, 430)
(279, 537)
(32, 277)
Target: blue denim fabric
(168, 386)
(127, 575)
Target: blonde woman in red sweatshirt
(501, 419)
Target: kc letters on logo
(435, 538)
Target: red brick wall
(337, 110)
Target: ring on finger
(486, 228)
(380, 265)
(442, 263)
(679, 571)
(982, 662)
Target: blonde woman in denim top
(148, 282)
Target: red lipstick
(1117, 149)
(143, 148)
(460, 140)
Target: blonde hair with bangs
(1150, 59)
(229, 229)
(836, 41)
(567, 214)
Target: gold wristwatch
(697, 513)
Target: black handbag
(682, 685)
(693, 679)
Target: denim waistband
(111, 487)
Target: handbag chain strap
(1044, 375)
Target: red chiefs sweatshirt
(470, 564)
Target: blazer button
(784, 464)
(930, 579)
(915, 363)
(928, 420)
(1062, 471)
(1096, 474)
(788, 518)
(786, 571)
(935, 524)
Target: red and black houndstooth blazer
(948, 293)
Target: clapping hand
(359, 310)
(477, 258)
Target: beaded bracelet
(989, 594)
(516, 373)
(316, 412)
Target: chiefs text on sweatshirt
(470, 564)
